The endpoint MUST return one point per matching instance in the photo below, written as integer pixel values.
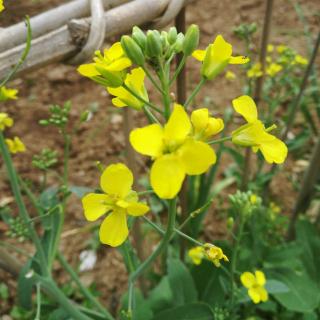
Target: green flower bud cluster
(59, 116)
(149, 47)
(46, 159)
(220, 313)
(245, 202)
(17, 229)
(244, 31)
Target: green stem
(164, 78)
(38, 314)
(162, 245)
(151, 105)
(82, 288)
(150, 115)
(178, 70)
(21, 206)
(23, 56)
(195, 92)
(220, 140)
(234, 260)
(152, 79)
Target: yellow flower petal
(95, 205)
(248, 279)
(246, 107)
(148, 140)
(117, 180)
(200, 119)
(254, 294)
(118, 65)
(196, 156)
(15, 145)
(199, 54)
(167, 174)
(114, 229)
(88, 70)
(250, 134)
(221, 50)
(137, 209)
(261, 279)
(239, 60)
(114, 52)
(215, 126)
(178, 126)
(263, 294)
(196, 254)
(274, 150)
(117, 102)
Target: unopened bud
(191, 40)
(132, 50)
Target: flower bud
(172, 35)
(191, 40)
(179, 43)
(132, 50)
(230, 223)
(154, 45)
(139, 37)
(110, 79)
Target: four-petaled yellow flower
(109, 69)
(177, 148)
(134, 81)
(255, 135)
(5, 121)
(300, 59)
(196, 254)
(7, 94)
(216, 57)
(215, 254)
(15, 145)
(255, 285)
(207, 251)
(273, 69)
(118, 200)
(255, 71)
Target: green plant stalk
(21, 206)
(153, 81)
(53, 290)
(23, 56)
(162, 245)
(195, 92)
(220, 140)
(234, 260)
(164, 78)
(151, 105)
(82, 288)
(151, 117)
(38, 314)
(178, 70)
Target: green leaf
(181, 283)
(161, 296)
(194, 311)
(303, 295)
(275, 286)
(25, 286)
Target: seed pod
(154, 45)
(132, 50)
(139, 37)
(172, 35)
(191, 40)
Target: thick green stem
(195, 92)
(162, 245)
(21, 206)
(82, 288)
(164, 78)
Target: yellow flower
(282, 48)
(273, 69)
(109, 69)
(270, 48)
(196, 254)
(255, 285)
(255, 71)
(15, 145)
(215, 254)
(118, 200)
(275, 208)
(230, 75)
(216, 57)
(5, 121)
(176, 149)
(1, 5)
(300, 59)
(253, 134)
(253, 199)
(6, 94)
(135, 81)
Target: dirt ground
(101, 139)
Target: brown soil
(101, 139)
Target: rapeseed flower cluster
(208, 252)
(255, 285)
